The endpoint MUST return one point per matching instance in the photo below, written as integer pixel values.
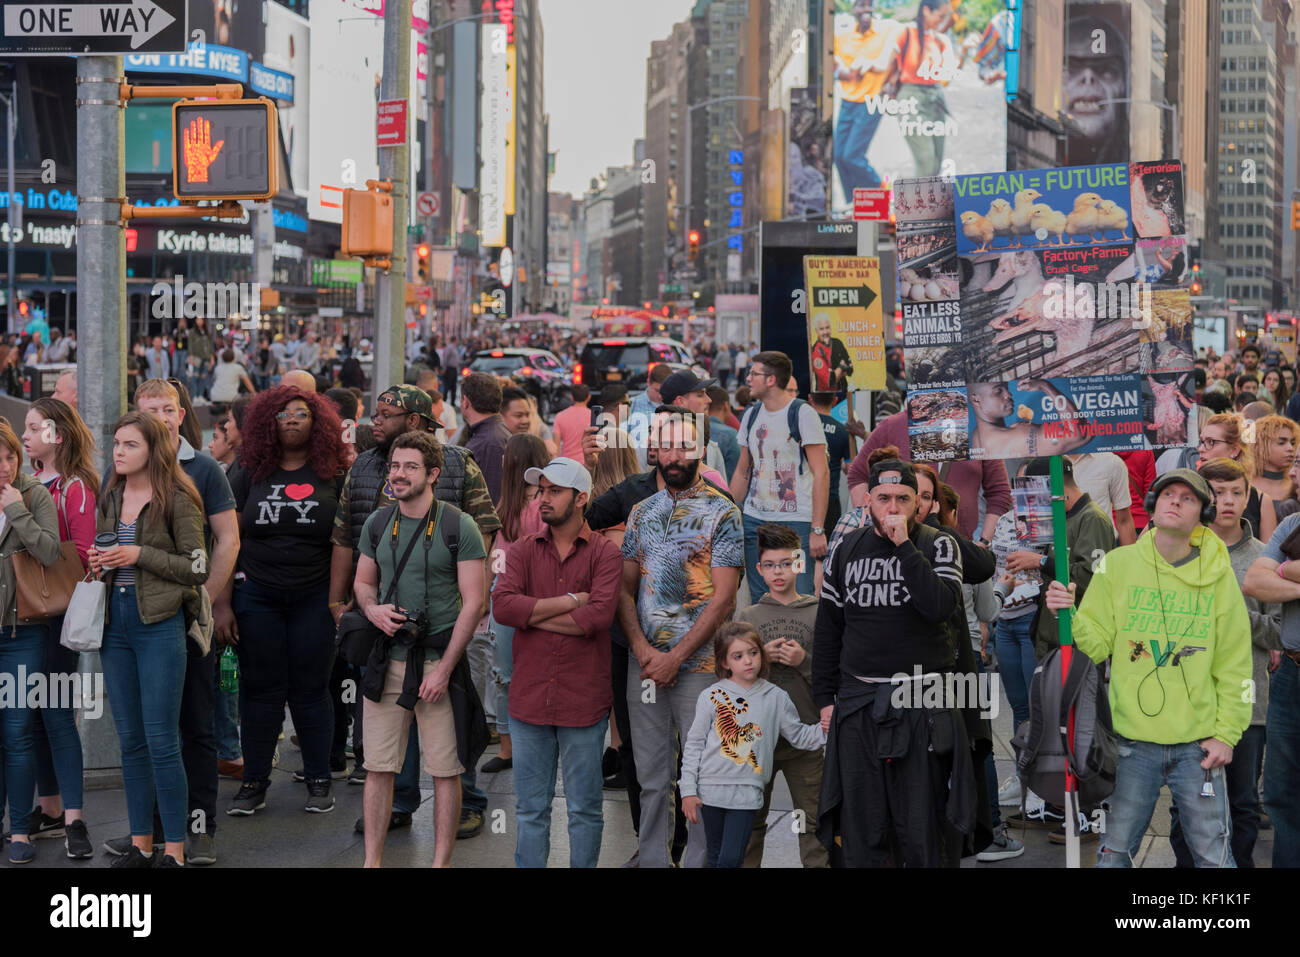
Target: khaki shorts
(386, 725)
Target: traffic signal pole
(101, 249)
(390, 289)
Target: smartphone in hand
(596, 412)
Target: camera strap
(399, 566)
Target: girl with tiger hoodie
(727, 760)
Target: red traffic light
(694, 236)
(422, 250)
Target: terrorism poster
(846, 326)
(919, 90)
(1098, 64)
(1035, 308)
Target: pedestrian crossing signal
(225, 149)
(1295, 216)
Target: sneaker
(275, 757)
(121, 846)
(616, 781)
(1087, 833)
(358, 775)
(398, 819)
(251, 798)
(496, 765)
(134, 857)
(471, 825)
(1045, 817)
(319, 798)
(76, 841)
(1009, 794)
(45, 826)
(200, 849)
(21, 852)
(609, 763)
(1003, 848)
(338, 770)
(169, 861)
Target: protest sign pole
(1062, 551)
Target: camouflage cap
(411, 399)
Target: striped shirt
(125, 536)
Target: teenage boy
(782, 475)
(1168, 614)
(1231, 487)
(786, 621)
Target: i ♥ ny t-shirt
(285, 522)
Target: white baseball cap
(563, 472)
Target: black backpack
(791, 421)
(1042, 740)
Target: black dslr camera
(413, 630)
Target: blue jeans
(1014, 642)
(226, 724)
(144, 674)
(853, 135)
(181, 368)
(1282, 770)
(55, 740)
(1243, 799)
(726, 831)
(1143, 768)
(758, 587)
(501, 674)
(21, 647)
(285, 656)
(578, 750)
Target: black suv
(537, 371)
(622, 360)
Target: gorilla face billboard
(1097, 70)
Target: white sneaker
(1009, 793)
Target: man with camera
(427, 616)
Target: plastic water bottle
(229, 669)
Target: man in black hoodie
(888, 601)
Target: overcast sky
(594, 64)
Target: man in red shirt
(559, 591)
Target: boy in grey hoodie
(727, 760)
(785, 621)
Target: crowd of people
(672, 600)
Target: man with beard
(831, 364)
(402, 409)
(682, 554)
(992, 405)
(446, 592)
(1096, 73)
(884, 633)
(560, 694)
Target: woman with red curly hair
(286, 484)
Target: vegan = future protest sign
(1044, 313)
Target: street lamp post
(11, 129)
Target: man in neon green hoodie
(1169, 615)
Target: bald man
(65, 389)
(301, 378)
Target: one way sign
(93, 28)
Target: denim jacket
(31, 525)
(173, 563)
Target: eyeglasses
(1208, 443)
(295, 416)
(776, 566)
(411, 467)
(755, 372)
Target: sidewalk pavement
(283, 835)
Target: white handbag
(83, 622)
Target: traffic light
(1196, 279)
(225, 149)
(421, 270)
(693, 242)
(1295, 216)
(367, 223)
